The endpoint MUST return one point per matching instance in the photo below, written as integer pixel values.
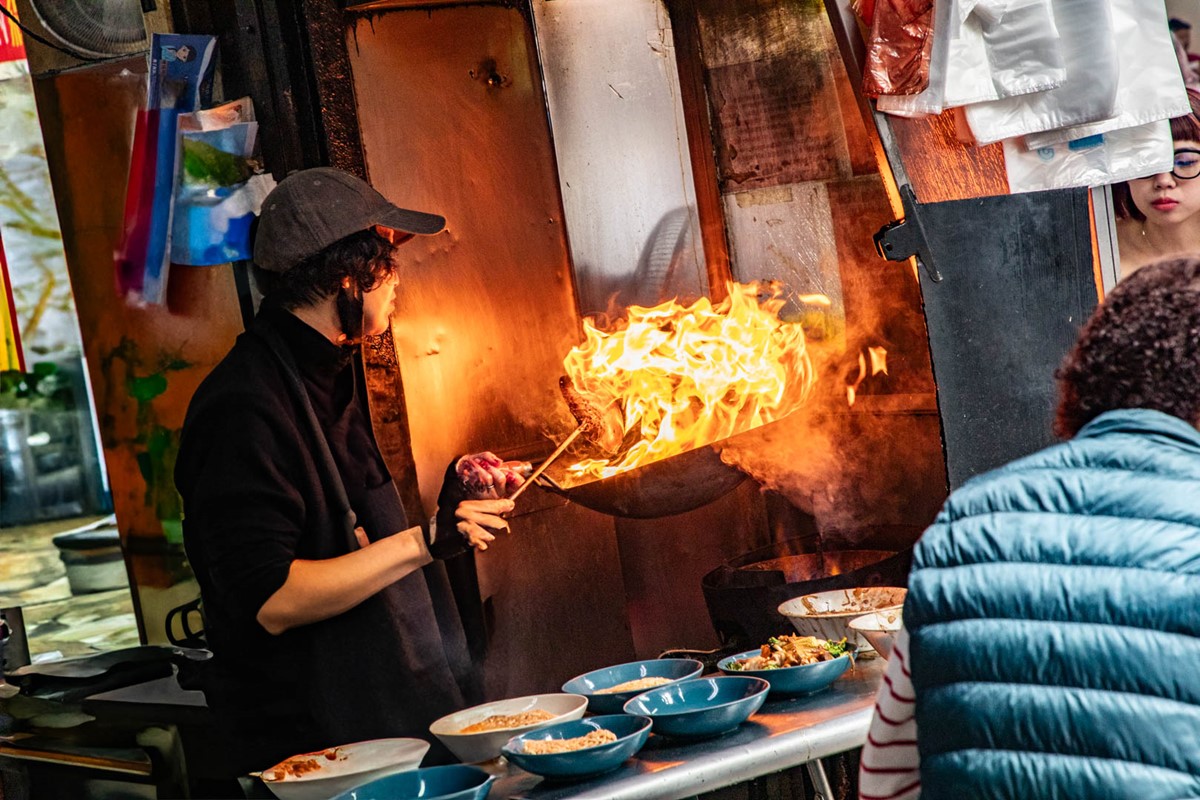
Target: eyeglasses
(1187, 164)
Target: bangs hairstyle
(1138, 350)
(366, 257)
(1183, 129)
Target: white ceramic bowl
(879, 628)
(828, 614)
(353, 765)
(471, 748)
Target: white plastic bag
(1150, 85)
(1088, 94)
(1019, 52)
(1110, 157)
(1023, 45)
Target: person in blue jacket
(1051, 642)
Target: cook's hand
(487, 477)
(477, 519)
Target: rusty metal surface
(556, 598)
(87, 117)
(453, 121)
(619, 135)
(389, 418)
(335, 91)
(665, 559)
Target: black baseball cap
(313, 208)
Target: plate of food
(609, 688)
(322, 774)
(579, 749)
(477, 734)
(793, 664)
(828, 614)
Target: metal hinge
(905, 238)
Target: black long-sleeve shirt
(257, 495)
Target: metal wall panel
(619, 136)
(452, 121)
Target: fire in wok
(672, 380)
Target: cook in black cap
(328, 612)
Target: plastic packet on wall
(1150, 86)
(219, 190)
(1088, 94)
(1110, 157)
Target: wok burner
(743, 594)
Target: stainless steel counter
(783, 734)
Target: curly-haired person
(1052, 626)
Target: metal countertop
(783, 734)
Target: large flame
(688, 376)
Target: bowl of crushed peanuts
(476, 734)
(579, 749)
(609, 688)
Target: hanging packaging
(899, 48)
(1150, 86)
(220, 187)
(180, 81)
(930, 99)
(986, 51)
(1089, 93)
(1097, 160)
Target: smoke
(859, 470)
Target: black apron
(394, 663)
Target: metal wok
(673, 485)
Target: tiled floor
(32, 577)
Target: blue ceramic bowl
(631, 732)
(804, 679)
(455, 782)
(701, 707)
(589, 683)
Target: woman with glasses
(1157, 216)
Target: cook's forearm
(318, 590)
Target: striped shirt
(890, 768)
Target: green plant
(44, 388)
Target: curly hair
(366, 257)
(1139, 349)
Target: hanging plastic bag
(140, 260)
(1089, 93)
(1019, 53)
(929, 100)
(220, 188)
(899, 48)
(1110, 157)
(1150, 86)
(179, 81)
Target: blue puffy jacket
(1054, 610)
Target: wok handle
(542, 467)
